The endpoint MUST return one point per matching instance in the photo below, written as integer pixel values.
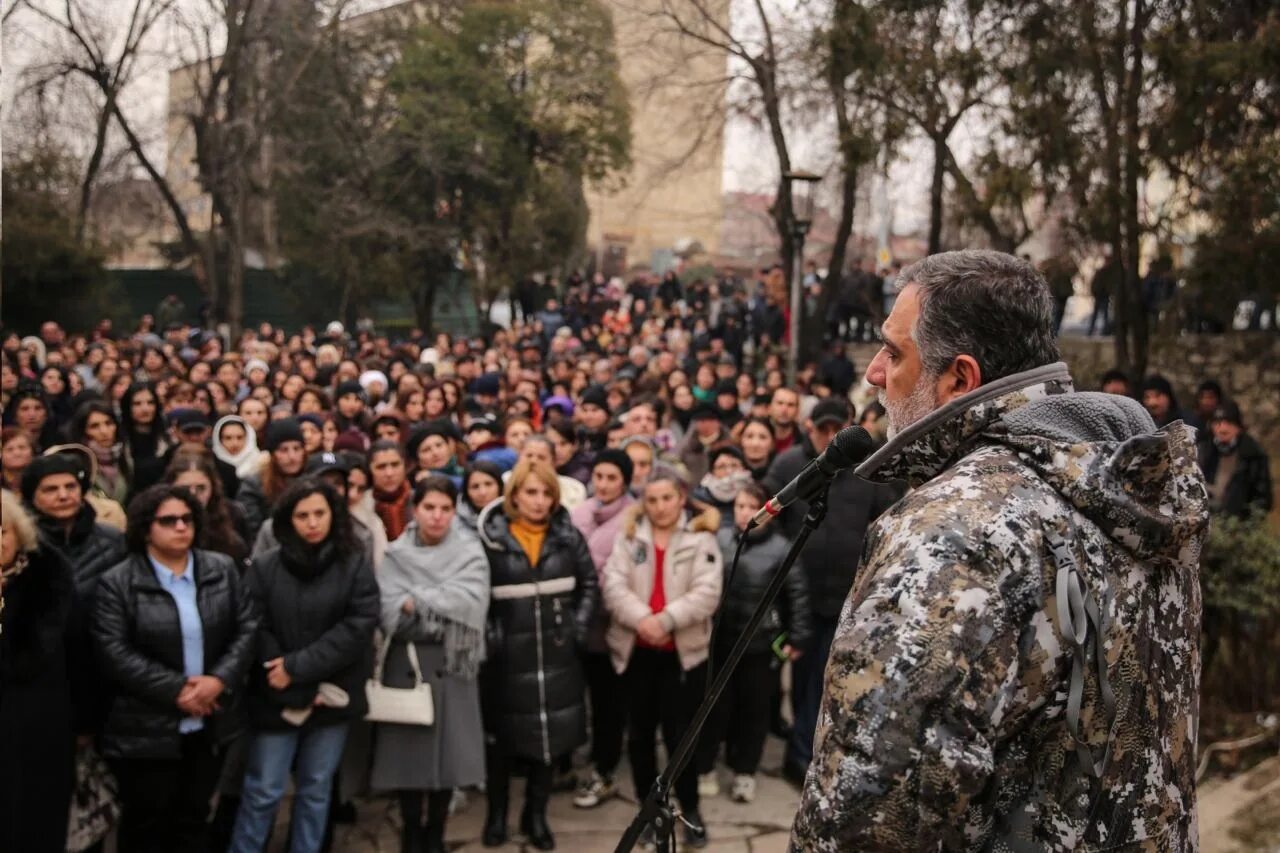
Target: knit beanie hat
(351, 386)
(617, 458)
(278, 432)
(45, 466)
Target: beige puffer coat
(692, 578)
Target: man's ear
(961, 377)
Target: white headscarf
(246, 461)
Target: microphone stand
(656, 808)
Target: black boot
(533, 820)
(437, 816)
(411, 839)
(497, 787)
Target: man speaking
(1017, 665)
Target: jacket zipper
(542, 678)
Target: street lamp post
(800, 186)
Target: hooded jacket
(538, 622)
(956, 681)
(691, 580)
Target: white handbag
(408, 706)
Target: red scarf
(393, 509)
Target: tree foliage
(49, 271)
(461, 141)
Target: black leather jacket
(764, 552)
(138, 639)
(321, 622)
(532, 682)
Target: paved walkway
(761, 827)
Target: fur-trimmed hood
(701, 519)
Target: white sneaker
(708, 785)
(595, 791)
(744, 788)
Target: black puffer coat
(90, 549)
(138, 639)
(532, 684)
(761, 557)
(318, 613)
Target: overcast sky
(749, 163)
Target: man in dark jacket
(852, 504)
(837, 371)
(1236, 468)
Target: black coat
(152, 471)
(761, 557)
(831, 555)
(532, 684)
(90, 549)
(138, 639)
(37, 741)
(254, 507)
(1248, 492)
(321, 622)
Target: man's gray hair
(988, 305)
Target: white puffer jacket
(692, 578)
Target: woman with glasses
(174, 630)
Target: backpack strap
(1083, 624)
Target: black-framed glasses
(171, 521)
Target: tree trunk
(91, 171)
(202, 272)
(935, 194)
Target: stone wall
(1247, 365)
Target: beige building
(671, 198)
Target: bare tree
(762, 52)
(92, 46)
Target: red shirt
(658, 598)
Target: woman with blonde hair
(36, 728)
(543, 596)
(661, 587)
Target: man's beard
(904, 413)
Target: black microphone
(849, 447)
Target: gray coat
(448, 754)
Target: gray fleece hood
(1101, 452)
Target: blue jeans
(806, 691)
(271, 754)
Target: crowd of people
(210, 549)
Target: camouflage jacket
(949, 710)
